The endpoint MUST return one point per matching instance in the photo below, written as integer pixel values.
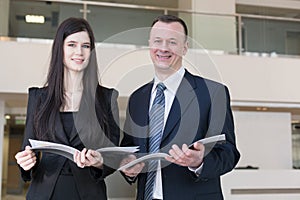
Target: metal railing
(230, 33)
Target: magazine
(161, 156)
(210, 140)
(68, 151)
(152, 156)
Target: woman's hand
(87, 158)
(26, 159)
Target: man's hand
(134, 170)
(187, 157)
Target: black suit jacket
(90, 181)
(200, 109)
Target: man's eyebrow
(167, 38)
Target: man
(191, 108)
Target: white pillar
(4, 17)
(2, 121)
(187, 17)
(213, 32)
(214, 6)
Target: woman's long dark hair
(45, 117)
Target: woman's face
(77, 50)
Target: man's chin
(165, 68)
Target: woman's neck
(73, 81)
(73, 88)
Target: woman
(72, 109)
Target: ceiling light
(35, 19)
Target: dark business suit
(89, 181)
(201, 108)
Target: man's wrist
(197, 170)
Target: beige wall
(250, 78)
(264, 139)
(24, 65)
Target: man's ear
(185, 48)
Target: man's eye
(173, 42)
(157, 41)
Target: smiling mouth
(164, 57)
(78, 61)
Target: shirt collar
(172, 82)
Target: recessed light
(35, 19)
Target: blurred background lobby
(252, 46)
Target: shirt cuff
(197, 171)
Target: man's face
(167, 46)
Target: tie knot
(160, 87)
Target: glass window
(53, 14)
(271, 36)
(109, 23)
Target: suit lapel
(144, 115)
(184, 96)
(145, 103)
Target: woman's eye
(86, 46)
(71, 45)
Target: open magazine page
(119, 149)
(68, 151)
(55, 148)
(159, 156)
(153, 156)
(212, 139)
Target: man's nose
(164, 46)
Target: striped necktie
(156, 123)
